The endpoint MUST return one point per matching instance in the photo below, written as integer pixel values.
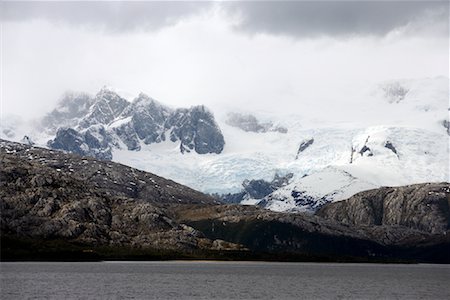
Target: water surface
(222, 280)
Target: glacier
(385, 134)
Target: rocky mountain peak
(71, 107)
(197, 130)
(115, 122)
(108, 105)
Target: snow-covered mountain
(387, 134)
(108, 121)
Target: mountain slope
(390, 133)
(59, 200)
(51, 195)
(424, 207)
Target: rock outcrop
(94, 142)
(256, 189)
(446, 124)
(424, 207)
(52, 195)
(196, 129)
(304, 145)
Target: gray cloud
(336, 18)
(111, 16)
(294, 18)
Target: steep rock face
(148, 118)
(196, 129)
(127, 134)
(422, 207)
(107, 106)
(130, 124)
(94, 142)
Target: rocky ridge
(50, 195)
(424, 207)
(108, 121)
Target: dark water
(222, 280)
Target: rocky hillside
(48, 196)
(52, 195)
(424, 207)
(93, 126)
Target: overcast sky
(254, 55)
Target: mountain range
(65, 206)
(109, 121)
(391, 134)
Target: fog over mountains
(236, 154)
(109, 121)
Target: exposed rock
(196, 129)
(50, 195)
(423, 207)
(289, 233)
(27, 140)
(446, 124)
(71, 108)
(257, 189)
(128, 136)
(231, 198)
(303, 146)
(94, 142)
(147, 118)
(107, 106)
(249, 123)
(365, 150)
(391, 147)
(144, 120)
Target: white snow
(340, 126)
(420, 141)
(119, 122)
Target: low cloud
(339, 18)
(110, 16)
(293, 18)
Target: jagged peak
(200, 108)
(143, 100)
(107, 94)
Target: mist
(217, 55)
